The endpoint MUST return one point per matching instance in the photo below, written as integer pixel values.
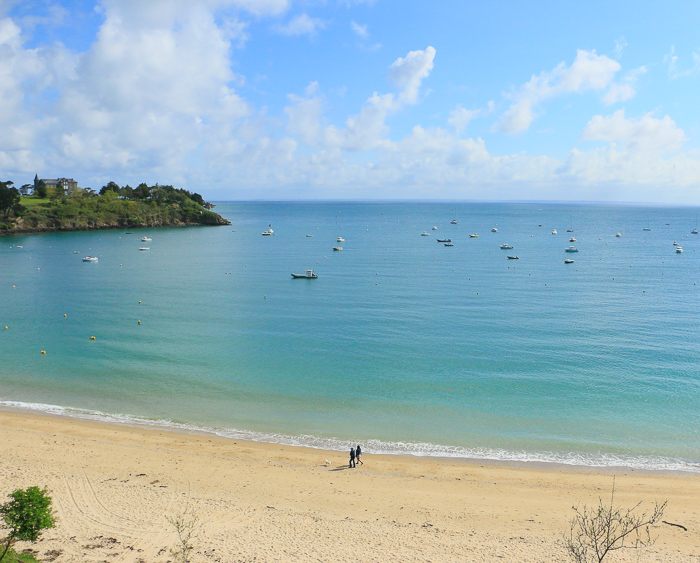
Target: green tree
(59, 190)
(40, 189)
(111, 187)
(27, 515)
(9, 197)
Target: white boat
(569, 230)
(145, 248)
(494, 230)
(453, 222)
(337, 248)
(505, 246)
(309, 235)
(309, 275)
(679, 249)
(340, 239)
(675, 243)
(618, 235)
(434, 228)
(474, 236)
(449, 244)
(424, 234)
(694, 232)
(572, 239)
(568, 261)
(266, 233)
(146, 239)
(571, 249)
(90, 259)
(554, 231)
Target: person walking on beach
(358, 453)
(352, 457)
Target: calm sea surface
(401, 344)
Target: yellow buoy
(139, 322)
(65, 315)
(43, 351)
(92, 338)
(139, 302)
(5, 328)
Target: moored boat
(90, 259)
(568, 261)
(309, 275)
(505, 246)
(337, 248)
(474, 236)
(571, 249)
(444, 240)
(513, 257)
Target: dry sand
(115, 487)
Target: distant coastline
(157, 206)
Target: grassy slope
(110, 211)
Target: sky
(356, 99)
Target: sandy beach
(116, 487)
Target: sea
(401, 344)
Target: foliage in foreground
(27, 514)
(187, 527)
(597, 531)
(13, 557)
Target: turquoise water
(401, 343)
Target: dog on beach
(328, 463)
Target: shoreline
(317, 444)
(114, 488)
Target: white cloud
(620, 44)
(359, 30)
(408, 73)
(301, 25)
(460, 117)
(625, 89)
(647, 134)
(672, 62)
(589, 71)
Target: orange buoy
(43, 351)
(92, 338)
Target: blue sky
(345, 99)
